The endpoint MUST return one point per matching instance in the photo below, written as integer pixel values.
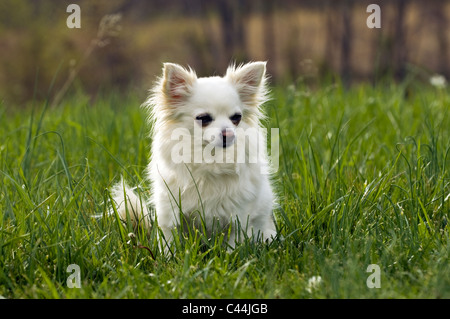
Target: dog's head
(215, 105)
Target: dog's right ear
(177, 82)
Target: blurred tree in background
(301, 40)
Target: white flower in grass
(313, 283)
(438, 81)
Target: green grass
(363, 179)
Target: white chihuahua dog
(202, 167)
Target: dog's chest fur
(213, 192)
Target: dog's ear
(249, 80)
(177, 82)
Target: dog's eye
(236, 118)
(204, 119)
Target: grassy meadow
(363, 179)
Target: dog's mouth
(219, 141)
(224, 144)
(227, 141)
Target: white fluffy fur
(222, 194)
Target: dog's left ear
(249, 80)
